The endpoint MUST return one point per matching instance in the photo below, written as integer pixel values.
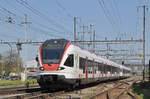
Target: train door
(93, 70)
(76, 65)
(103, 70)
(111, 71)
(105, 67)
(86, 68)
(100, 69)
(76, 61)
(121, 71)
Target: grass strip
(16, 82)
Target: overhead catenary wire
(9, 11)
(35, 11)
(47, 32)
(117, 11)
(115, 15)
(4, 20)
(37, 23)
(115, 4)
(11, 15)
(38, 30)
(8, 36)
(49, 28)
(64, 9)
(14, 7)
(106, 13)
(39, 13)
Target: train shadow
(93, 84)
(69, 89)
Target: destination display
(54, 46)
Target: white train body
(78, 66)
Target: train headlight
(41, 68)
(60, 68)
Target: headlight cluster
(60, 68)
(41, 68)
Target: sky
(54, 19)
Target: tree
(0, 64)
(12, 62)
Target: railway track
(121, 91)
(105, 90)
(15, 90)
(112, 90)
(22, 93)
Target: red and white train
(63, 64)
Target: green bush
(137, 89)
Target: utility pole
(92, 36)
(143, 60)
(18, 58)
(83, 33)
(2, 75)
(149, 71)
(75, 18)
(26, 40)
(144, 40)
(91, 31)
(107, 53)
(93, 40)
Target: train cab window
(69, 61)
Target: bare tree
(0, 64)
(12, 62)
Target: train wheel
(73, 86)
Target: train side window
(82, 63)
(69, 61)
(109, 68)
(105, 68)
(98, 66)
(113, 70)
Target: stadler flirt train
(64, 64)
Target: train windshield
(51, 56)
(52, 50)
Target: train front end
(51, 53)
